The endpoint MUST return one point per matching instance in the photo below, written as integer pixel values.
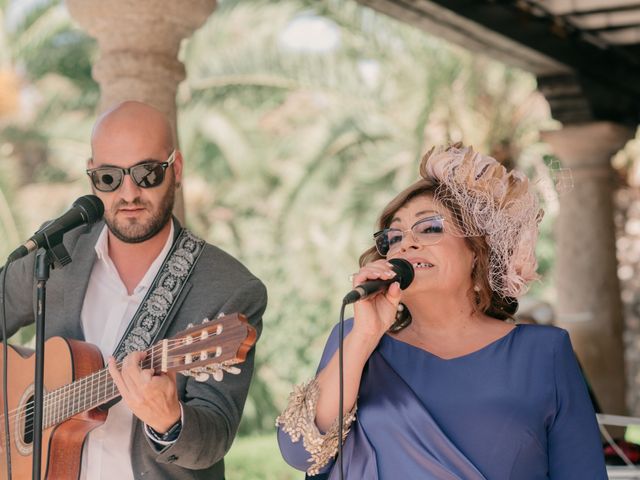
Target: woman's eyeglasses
(427, 231)
(144, 175)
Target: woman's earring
(403, 318)
(476, 293)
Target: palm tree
(292, 148)
(293, 143)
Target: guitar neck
(88, 392)
(198, 351)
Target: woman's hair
(496, 213)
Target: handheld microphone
(404, 276)
(85, 210)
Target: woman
(444, 387)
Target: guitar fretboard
(88, 392)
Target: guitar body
(76, 384)
(65, 361)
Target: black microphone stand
(53, 255)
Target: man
(164, 427)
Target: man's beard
(136, 232)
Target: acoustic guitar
(76, 383)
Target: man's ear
(90, 165)
(177, 168)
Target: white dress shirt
(106, 313)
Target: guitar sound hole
(28, 422)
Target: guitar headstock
(210, 348)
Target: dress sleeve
(314, 454)
(575, 450)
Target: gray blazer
(212, 410)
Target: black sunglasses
(144, 175)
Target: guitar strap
(156, 307)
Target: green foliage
(258, 458)
(8, 223)
(46, 67)
(290, 152)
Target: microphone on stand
(404, 276)
(85, 210)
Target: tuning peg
(202, 374)
(217, 375)
(190, 325)
(205, 320)
(215, 371)
(201, 377)
(232, 370)
(220, 315)
(198, 373)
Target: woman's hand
(374, 315)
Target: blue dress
(516, 409)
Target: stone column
(139, 42)
(588, 291)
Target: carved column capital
(139, 42)
(588, 144)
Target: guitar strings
(86, 405)
(67, 391)
(104, 381)
(80, 383)
(76, 386)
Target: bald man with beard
(166, 426)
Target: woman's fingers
(393, 294)
(380, 269)
(376, 313)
